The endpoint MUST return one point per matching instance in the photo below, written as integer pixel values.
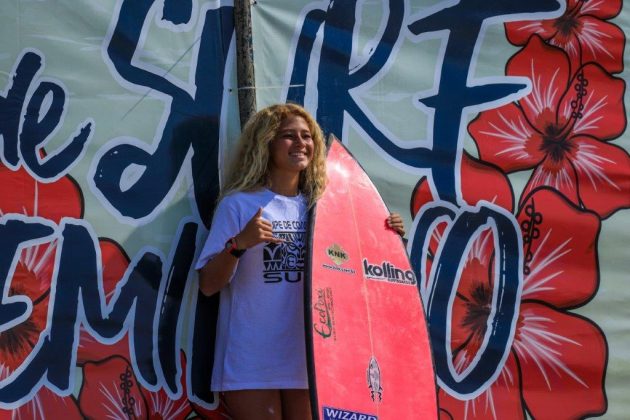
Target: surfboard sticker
(368, 346)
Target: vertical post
(244, 60)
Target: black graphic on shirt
(285, 261)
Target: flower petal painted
(547, 68)
(562, 359)
(601, 42)
(45, 405)
(162, 406)
(560, 250)
(593, 105)
(501, 401)
(603, 175)
(479, 181)
(22, 194)
(110, 390)
(505, 138)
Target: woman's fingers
(275, 240)
(258, 230)
(266, 234)
(397, 225)
(394, 221)
(264, 224)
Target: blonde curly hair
(250, 167)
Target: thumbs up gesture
(257, 230)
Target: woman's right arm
(216, 273)
(219, 269)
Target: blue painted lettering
(462, 23)
(193, 120)
(36, 129)
(146, 304)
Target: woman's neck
(284, 184)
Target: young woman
(255, 254)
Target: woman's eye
(294, 136)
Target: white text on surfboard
(335, 413)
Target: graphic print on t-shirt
(285, 261)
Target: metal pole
(244, 60)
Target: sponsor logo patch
(338, 413)
(324, 314)
(387, 271)
(338, 256)
(374, 380)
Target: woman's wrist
(240, 245)
(232, 247)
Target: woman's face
(291, 150)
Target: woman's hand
(257, 230)
(217, 272)
(395, 222)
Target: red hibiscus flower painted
(557, 359)
(559, 128)
(45, 405)
(161, 406)
(583, 32)
(110, 390)
(23, 195)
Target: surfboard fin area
(368, 346)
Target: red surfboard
(368, 346)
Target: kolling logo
(386, 271)
(324, 313)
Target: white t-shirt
(260, 334)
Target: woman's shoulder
(244, 198)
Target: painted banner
(497, 129)
(112, 118)
(501, 127)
